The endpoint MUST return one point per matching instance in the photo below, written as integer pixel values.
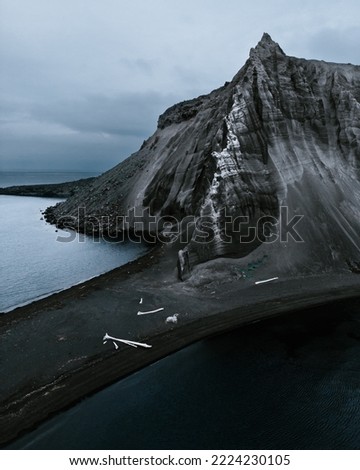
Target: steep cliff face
(285, 132)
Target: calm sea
(286, 383)
(33, 261)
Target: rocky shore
(52, 351)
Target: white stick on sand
(151, 311)
(266, 280)
(134, 344)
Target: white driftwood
(266, 280)
(134, 344)
(151, 311)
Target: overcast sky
(82, 82)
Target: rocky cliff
(231, 170)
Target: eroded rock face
(284, 132)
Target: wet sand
(52, 353)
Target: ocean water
(34, 263)
(285, 383)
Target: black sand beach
(52, 353)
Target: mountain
(267, 164)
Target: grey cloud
(79, 152)
(102, 130)
(336, 45)
(144, 65)
(128, 114)
(87, 79)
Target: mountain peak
(267, 39)
(266, 47)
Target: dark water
(286, 383)
(35, 261)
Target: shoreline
(82, 283)
(41, 301)
(63, 332)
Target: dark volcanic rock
(282, 139)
